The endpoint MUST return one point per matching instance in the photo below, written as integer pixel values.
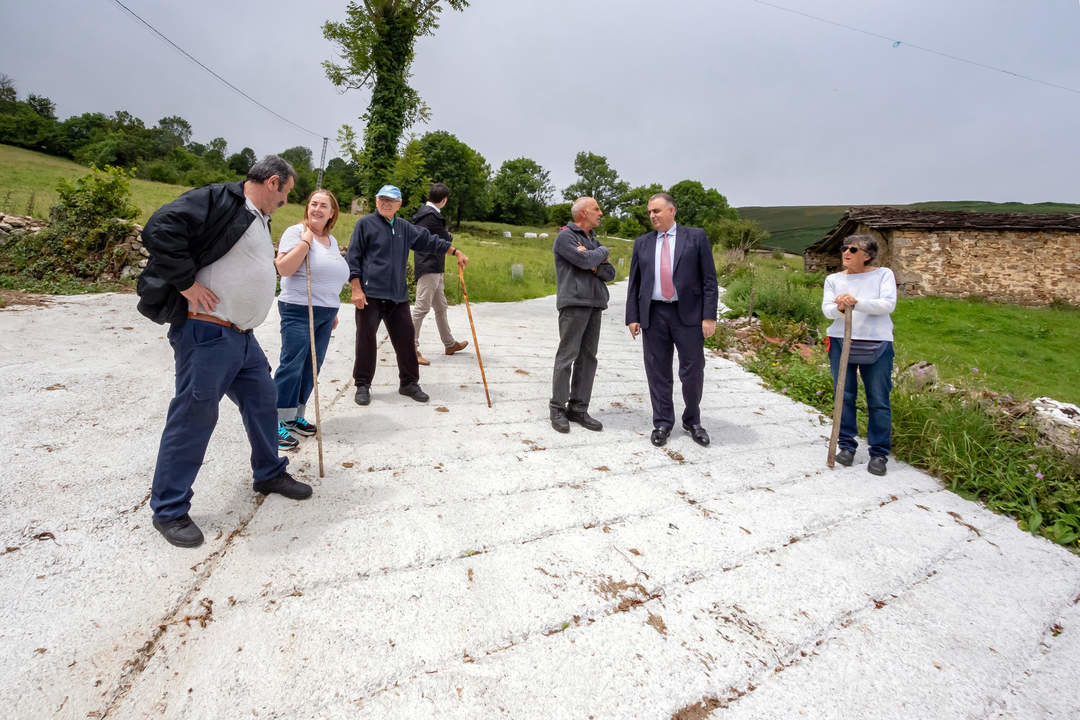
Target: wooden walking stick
(465, 294)
(314, 360)
(841, 378)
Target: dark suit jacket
(693, 274)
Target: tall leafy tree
(598, 180)
(464, 170)
(520, 192)
(699, 206)
(376, 46)
(242, 161)
(410, 176)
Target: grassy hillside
(795, 227)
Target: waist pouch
(863, 352)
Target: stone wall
(1022, 267)
(128, 257)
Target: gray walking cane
(838, 401)
(315, 362)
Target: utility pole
(322, 165)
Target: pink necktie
(667, 288)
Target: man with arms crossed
(211, 276)
(671, 299)
(581, 269)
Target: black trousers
(575, 360)
(664, 335)
(399, 324)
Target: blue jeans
(212, 361)
(877, 383)
(293, 374)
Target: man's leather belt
(216, 320)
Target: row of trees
(520, 192)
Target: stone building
(1004, 257)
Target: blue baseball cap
(389, 191)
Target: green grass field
(796, 227)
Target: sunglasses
(850, 248)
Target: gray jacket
(578, 285)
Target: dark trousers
(877, 382)
(575, 360)
(293, 376)
(399, 325)
(213, 361)
(664, 335)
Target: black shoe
(284, 484)
(300, 426)
(659, 436)
(559, 421)
(585, 420)
(877, 466)
(363, 395)
(413, 390)
(845, 457)
(698, 433)
(285, 441)
(181, 531)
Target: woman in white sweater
(869, 293)
(304, 244)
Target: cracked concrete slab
(462, 561)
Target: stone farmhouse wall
(1023, 267)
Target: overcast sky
(769, 107)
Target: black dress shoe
(363, 395)
(877, 465)
(413, 390)
(845, 457)
(181, 531)
(698, 433)
(659, 436)
(559, 421)
(284, 484)
(585, 420)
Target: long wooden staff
(841, 378)
(314, 360)
(465, 293)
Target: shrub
(781, 297)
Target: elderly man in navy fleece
(378, 255)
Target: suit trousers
(399, 326)
(431, 295)
(213, 361)
(575, 360)
(664, 335)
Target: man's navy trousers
(212, 361)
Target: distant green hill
(794, 228)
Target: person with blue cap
(378, 256)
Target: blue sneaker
(285, 441)
(300, 426)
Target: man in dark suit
(671, 300)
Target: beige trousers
(431, 295)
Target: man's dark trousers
(213, 361)
(399, 325)
(664, 335)
(575, 360)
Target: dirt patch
(697, 711)
(17, 300)
(657, 622)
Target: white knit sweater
(875, 292)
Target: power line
(195, 60)
(897, 43)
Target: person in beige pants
(429, 268)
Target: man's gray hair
(270, 166)
(667, 198)
(866, 242)
(578, 206)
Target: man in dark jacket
(211, 276)
(429, 268)
(378, 255)
(581, 271)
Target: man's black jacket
(189, 233)
(424, 263)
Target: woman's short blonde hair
(333, 204)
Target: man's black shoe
(659, 436)
(845, 457)
(284, 484)
(585, 420)
(877, 466)
(181, 531)
(363, 395)
(698, 433)
(559, 421)
(413, 390)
